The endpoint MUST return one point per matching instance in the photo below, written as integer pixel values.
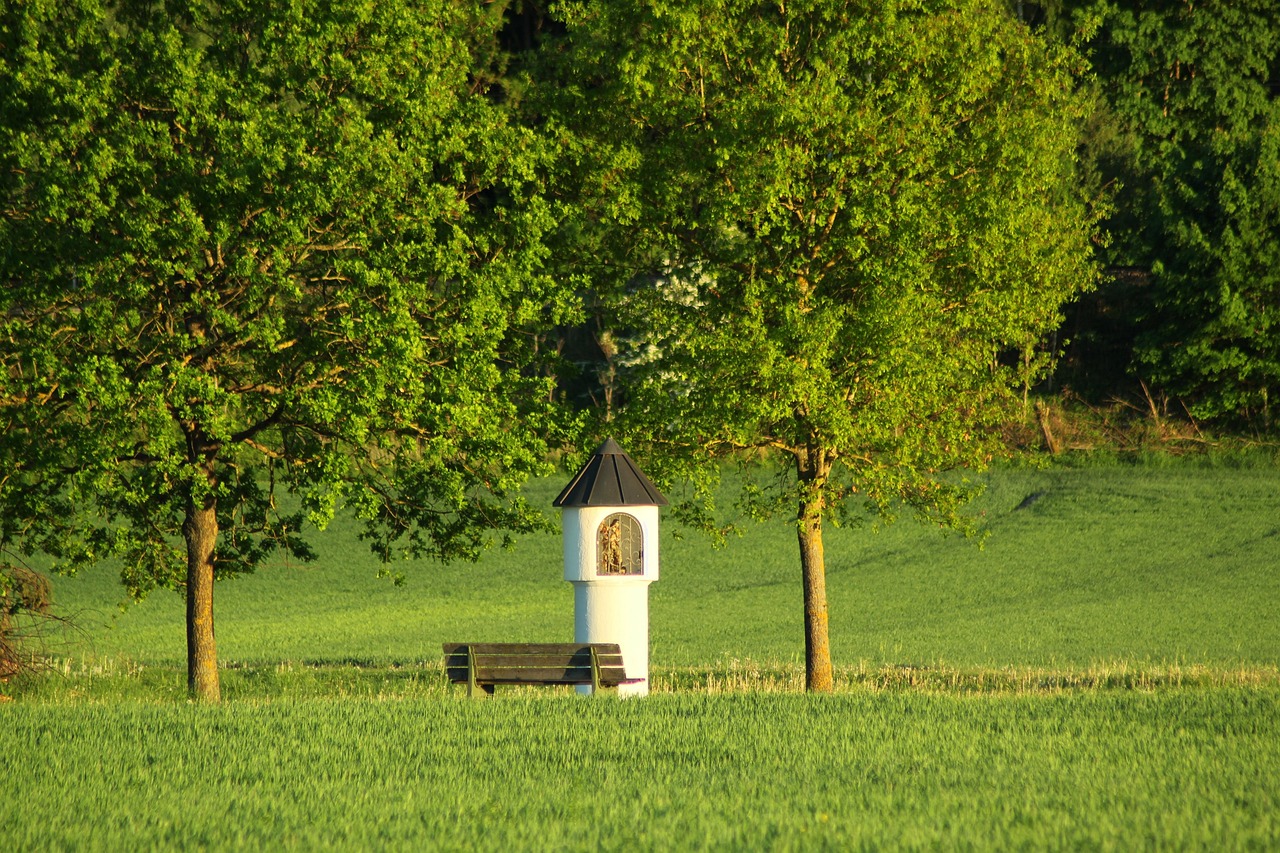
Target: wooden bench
(484, 665)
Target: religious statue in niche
(619, 546)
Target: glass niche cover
(620, 545)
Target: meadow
(745, 771)
(1101, 674)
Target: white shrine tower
(610, 516)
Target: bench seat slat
(534, 674)
(517, 661)
(537, 676)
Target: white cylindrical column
(613, 608)
(616, 611)
(610, 517)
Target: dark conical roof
(610, 478)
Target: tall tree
(851, 213)
(249, 248)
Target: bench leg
(597, 688)
(471, 679)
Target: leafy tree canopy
(252, 248)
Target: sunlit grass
(1155, 563)
(112, 680)
(1102, 675)
(884, 769)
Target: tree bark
(200, 529)
(813, 467)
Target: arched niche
(620, 545)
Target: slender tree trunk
(200, 529)
(813, 467)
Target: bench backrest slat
(534, 675)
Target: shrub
(25, 609)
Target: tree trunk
(200, 529)
(813, 468)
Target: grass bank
(1152, 564)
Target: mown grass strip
(113, 679)
(747, 676)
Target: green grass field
(1122, 771)
(1103, 674)
(1174, 562)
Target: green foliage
(1180, 770)
(850, 212)
(249, 249)
(1188, 127)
